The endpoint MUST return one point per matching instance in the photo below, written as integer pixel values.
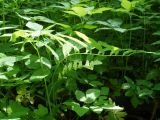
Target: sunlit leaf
(80, 11)
(80, 96)
(126, 4)
(40, 74)
(34, 26)
(92, 95)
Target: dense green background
(79, 59)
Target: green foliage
(77, 55)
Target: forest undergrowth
(79, 60)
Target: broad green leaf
(80, 11)
(32, 63)
(41, 111)
(12, 71)
(40, 74)
(135, 101)
(7, 61)
(115, 22)
(104, 91)
(76, 107)
(17, 34)
(17, 110)
(10, 60)
(34, 26)
(92, 95)
(80, 96)
(126, 4)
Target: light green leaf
(90, 26)
(126, 4)
(17, 34)
(96, 109)
(71, 12)
(112, 107)
(80, 96)
(66, 49)
(34, 26)
(80, 11)
(3, 77)
(92, 95)
(6, 28)
(121, 30)
(7, 61)
(74, 39)
(83, 36)
(95, 62)
(115, 22)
